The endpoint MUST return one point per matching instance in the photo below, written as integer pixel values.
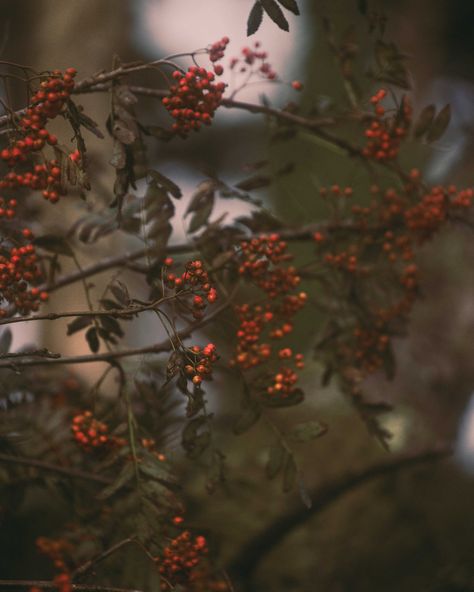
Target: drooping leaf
(255, 18)
(275, 13)
(440, 124)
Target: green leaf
(255, 18)
(54, 244)
(276, 458)
(439, 124)
(249, 416)
(275, 13)
(308, 430)
(290, 5)
(424, 121)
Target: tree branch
(109, 357)
(251, 554)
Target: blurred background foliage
(405, 532)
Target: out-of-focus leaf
(54, 244)
(6, 339)
(166, 183)
(120, 291)
(296, 397)
(439, 125)
(78, 324)
(289, 473)
(275, 13)
(248, 417)
(201, 216)
(255, 18)
(276, 459)
(255, 182)
(93, 340)
(424, 121)
(290, 5)
(124, 477)
(308, 430)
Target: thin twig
(110, 357)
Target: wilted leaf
(119, 156)
(122, 131)
(193, 440)
(308, 430)
(166, 183)
(439, 124)
(275, 13)
(255, 18)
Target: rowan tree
(245, 316)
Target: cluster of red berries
(89, 433)
(45, 104)
(180, 559)
(216, 53)
(385, 134)
(393, 225)
(193, 99)
(256, 58)
(283, 382)
(261, 261)
(196, 279)
(44, 177)
(19, 272)
(199, 362)
(56, 549)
